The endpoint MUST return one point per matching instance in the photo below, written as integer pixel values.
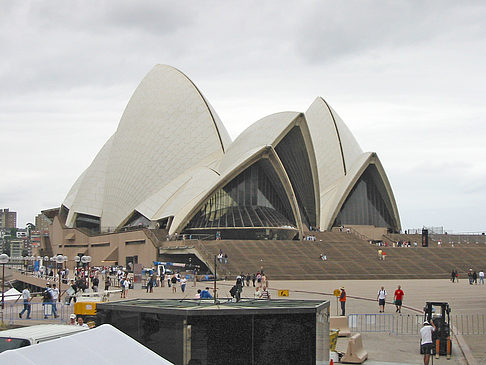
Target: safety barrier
(355, 353)
(340, 323)
(410, 324)
(38, 311)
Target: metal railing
(38, 311)
(410, 324)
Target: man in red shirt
(398, 299)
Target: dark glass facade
(367, 203)
(293, 153)
(247, 334)
(137, 220)
(89, 222)
(254, 199)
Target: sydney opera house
(172, 166)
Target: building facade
(8, 219)
(172, 166)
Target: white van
(26, 336)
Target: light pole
(215, 263)
(3, 260)
(86, 260)
(59, 260)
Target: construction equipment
(439, 314)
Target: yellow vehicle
(85, 305)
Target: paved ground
(382, 347)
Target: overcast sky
(407, 77)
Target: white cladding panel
(165, 130)
(263, 132)
(351, 148)
(88, 197)
(326, 144)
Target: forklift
(439, 313)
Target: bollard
(437, 348)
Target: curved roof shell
(171, 152)
(167, 128)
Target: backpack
(233, 290)
(46, 295)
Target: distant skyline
(406, 77)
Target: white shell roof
(336, 151)
(171, 150)
(167, 128)
(266, 131)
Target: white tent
(12, 294)
(103, 345)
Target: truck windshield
(8, 343)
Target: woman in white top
(381, 297)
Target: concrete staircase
(348, 257)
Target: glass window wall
(367, 203)
(255, 198)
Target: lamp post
(86, 260)
(215, 263)
(59, 260)
(3, 260)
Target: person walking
(173, 281)
(481, 277)
(426, 344)
(55, 296)
(381, 298)
(398, 298)
(27, 298)
(342, 299)
(183, 283)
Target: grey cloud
(333, 30)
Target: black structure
(442, 324)
(248, 332)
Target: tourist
(342, 299)
(398, 299)
(426, 344)
(150, 285)
(205, 294)
(225, 258)
(248, 278)
(55, 296)
(107, 282)
(95, 283)
(380, 256)
(26, 298)
(173, 281)
(183, 282)
(453, 276)
(481, 277)
(258, 293)
(72, 320)
(381, 298)
(264, 281)
(198, 294)
(253, 279)
(259, 279)
(475, 277)
(46, 299)
(81, 322)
